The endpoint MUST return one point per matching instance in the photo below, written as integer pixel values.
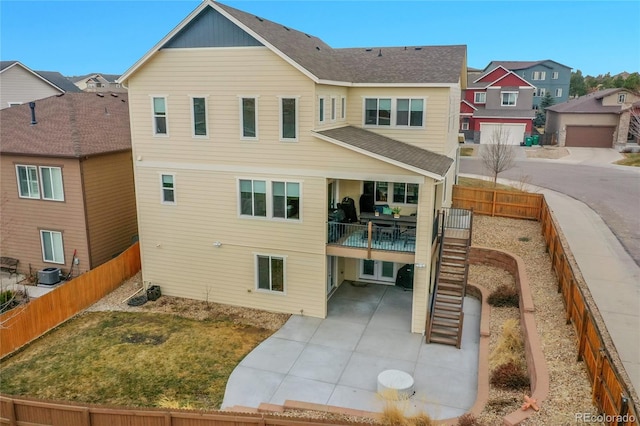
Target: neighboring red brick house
(67, 182)
(498, 98)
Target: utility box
(49, 276)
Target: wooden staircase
(446, 316)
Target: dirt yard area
(547, 152)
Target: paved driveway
(613, 192)
(336, 361)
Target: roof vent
(380, 53)
(100, 94)
(318, 48)
(32, 105)
(115, 95)
(259, 19)
(307, 35)
(368, 50)
(418, 48)
(286, 28)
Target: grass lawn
(479, 183)
(630, 159)
(132, 359)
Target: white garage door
(514, 133)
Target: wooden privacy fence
(609, 391)
(25, 323)
(19, 411)
(610, 394)
(494, 202)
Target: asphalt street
(613, 192)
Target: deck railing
(371, 236)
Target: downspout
(86, 218)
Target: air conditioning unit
(49, 276)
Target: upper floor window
(168, 189)
(52, 247)
(270, 273)
(343, 108)
(321, 108)
(199, 116)
(464, 125)
(409, 112)
(480, 98)
(540, 91)
(270, 199)
(378, 112)
(539, 75)
(28, 186)
(509, 98)
(159, 115)
(558, 92)
(622, 97)
(333, 109)
(554, 75)
(50, 182)
(289, 119)
(249, 108)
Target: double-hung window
(159, 116)
(509, 98)
(52, 183)
(540, 91)
(333, 109)
(270, 199)
(270, 273)
(49, 184)
(289, 119)
(409, 112)
(199, 116)
(558, 92)
(554, 75)
(377, 112)
(286, 200)
(28, 181)
(622, 98)
(168, 189)
(480, 98)
(52, 247)
(249, 114)
(343, 107)
(539, 75)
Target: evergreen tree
(577, 85)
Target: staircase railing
(442, 221)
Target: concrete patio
(336, 361)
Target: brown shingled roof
(420, 64)
(394, 151)
(69, 125)
(588, 104)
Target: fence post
(493, 203)
(570, 300)
(12, 413)
(369, 229)
(86, 417)
(624, 408)
(583, 331)
(597, 379)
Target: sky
(82, 36)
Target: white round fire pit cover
(396, 381)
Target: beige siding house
(67, 182)
(248, 135)
(19, 84)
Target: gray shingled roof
(69, 125)
(422, 64)
(59, 80)
(521, 65)
(5, 64)
(588, 104)
(392, 149)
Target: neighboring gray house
(599, 119)
(546, 76)
(98, 83)
(20, 84)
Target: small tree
(498, 156)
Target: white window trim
(622, 98)
(241, 115)
(193, 117)
(558, 92)
(18, 180)
(343, 107)
(555, 75)
(42, 182)
(475, 98)
(14, 103)
(42, 231)
(502, 99)
(175, 198)
(333, 109)
(464, 125)
(390, 193)
(153, 116)
(280, 127)
(394, 113)
(269, 200)
(257, 275)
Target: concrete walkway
(610, 273)
(336, 361)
